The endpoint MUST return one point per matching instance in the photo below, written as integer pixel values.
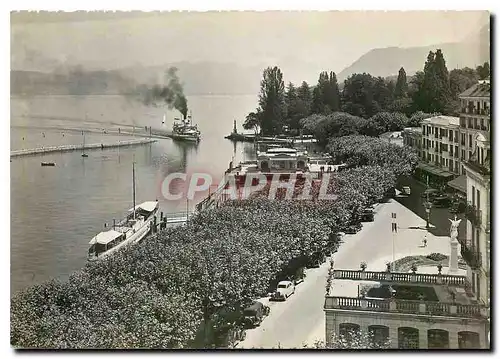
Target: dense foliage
(182, 287)
(432, 90)
(364, 150)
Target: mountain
(472, 51)
(75, 82)
(199, 78)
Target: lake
(55, 211)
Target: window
(463, 155)
(470, 155)
(473, 195)
(470, 140)
(475, 123)
(478, 195)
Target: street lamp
(427, 205)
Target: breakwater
(67, 148)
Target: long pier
(67, 148)
(239, 137)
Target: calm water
(55, 211)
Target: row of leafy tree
(433, 90)
(185, 287)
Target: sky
(321, 40)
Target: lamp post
(428, 206)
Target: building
(412, 137)
(476, 158)
(444, 317)
(440, 149)
(474, 117)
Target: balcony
(411, 307)
(473, 214)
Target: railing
(402, 277)
(407, 307)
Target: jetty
(239, 137)
(67, 148)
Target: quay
(67, 148)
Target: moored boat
(132, 229)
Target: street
(300, 320)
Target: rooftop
(481, 89)
(443, 120)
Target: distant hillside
(77, 82)
(198, 78)
(472, 51)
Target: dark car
(367, 215)
(353, 228)
(254, 314)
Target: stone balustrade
(400, 277)
(408, 307)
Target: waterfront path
(301, 320)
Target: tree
(483, 71)
(461, 80)
(293, 116)
(317, 106)
(272, 101)
(304, 100)
(361, 94)
(326, 94)
(434, 94)
(355, 340)
(401, 89)
(253, 121)
(332, 93)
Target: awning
(146, 206)
(435, 170)
(105, 237)
(459, 183)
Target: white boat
(130, 230)
(185, 130)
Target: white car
(284, 290)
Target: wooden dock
(67, 148)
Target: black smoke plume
(171, 94)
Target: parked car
(353, 228)
(284, 289)
(367, 215)
(254, 314)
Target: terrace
(406, 293)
